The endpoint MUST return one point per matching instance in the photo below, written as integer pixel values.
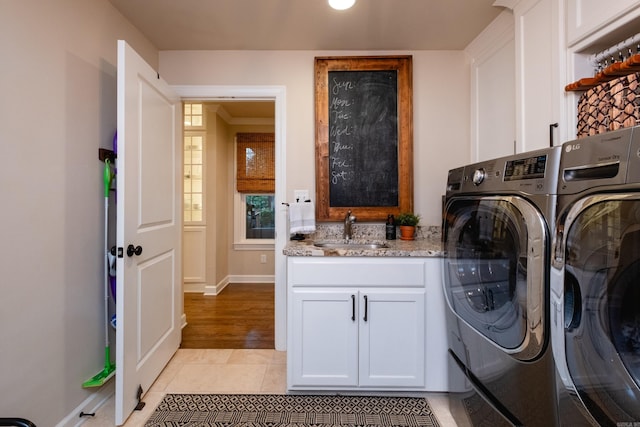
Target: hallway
(240, 317)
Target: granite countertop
(427, 244)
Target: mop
(109, 368)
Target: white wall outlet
(263, 259)
(301, 195)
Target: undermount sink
(350, 245)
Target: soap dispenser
(391, 228)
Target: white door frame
(277, 93)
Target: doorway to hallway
(221, 245)
(278, 95)
(240, 317)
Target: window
(260, 222)
(255, 188)
(193, 163)
(193, 116)
(193, 177)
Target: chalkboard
(364, 137)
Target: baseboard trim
(193, 287)
(89, 406)
(213, 290)
(216, 289)
(252, 279)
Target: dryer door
(494, 270)
(602, 306)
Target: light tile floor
(225, 371)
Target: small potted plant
(407, 222)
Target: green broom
(109, 368)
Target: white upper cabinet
(517, 80)
(493, 97)
(552, 44)
(586, 17)
(539, 89)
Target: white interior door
(149, 290)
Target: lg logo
(571, 147)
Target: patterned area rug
(257, 410)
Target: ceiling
(308, 24)
(370, 25)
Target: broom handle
(106, 281)
(107, 188)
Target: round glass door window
(486, 268)
(602, 308)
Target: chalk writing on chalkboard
(363, 138)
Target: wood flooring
(240, 317)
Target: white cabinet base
(325, 350)
(392, 338)
(361, 324)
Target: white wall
(440, 106)
(58, 106)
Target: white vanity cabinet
(356, 323)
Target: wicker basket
(609, 106)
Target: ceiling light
(341, 4)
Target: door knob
(133, 250)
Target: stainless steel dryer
(596, 281)
(497, 235)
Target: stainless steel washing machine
(497, 235)
(596, 281)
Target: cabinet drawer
(308, 271)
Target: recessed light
(341, 4)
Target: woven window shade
(255, 163)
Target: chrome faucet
(348, 226)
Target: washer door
(494, 270)
(602, 305)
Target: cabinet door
(584, 17)
(392, 338)
(538, 88)
(493, 90)
(324, 339)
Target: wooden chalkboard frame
(402, 64)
